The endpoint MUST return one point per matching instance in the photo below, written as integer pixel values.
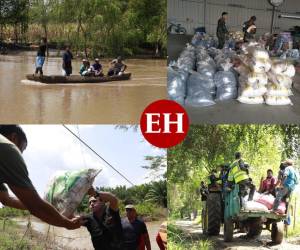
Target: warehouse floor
(233, 111)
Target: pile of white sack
(263, 203)
(263, 80)
(280, 83)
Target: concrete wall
(197, 13)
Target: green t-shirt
(13, 170)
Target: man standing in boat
(40, 58)
(67, 61)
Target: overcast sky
(52, 148)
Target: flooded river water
(78, 239)
(115, 102)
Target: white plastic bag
(274, 90)
(251, 100)
(177, 84)
(66, 189)
(200, 91)
(276, 101)
(226, 85)
(255, 206)
(249, 91)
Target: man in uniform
(222, 31)
(239, 174)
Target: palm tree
(158, 193)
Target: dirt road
(239, 241)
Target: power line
(84, 143)
(81, 147)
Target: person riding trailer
(289, 181)
(239, 174)
(213, 180)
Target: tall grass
(178, 240)
(12, 239)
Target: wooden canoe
(56, 79)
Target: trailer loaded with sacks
(223, 208)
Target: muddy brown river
(78, 239)
(115, 102)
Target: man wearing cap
(84, 68)
(135, 231)
(14, 173)
(104, 224)
(97, 68)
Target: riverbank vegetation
(13, 238)
(93, 28)
(208, 146)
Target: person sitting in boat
(117, 67)
(96, 68)
(85, 68)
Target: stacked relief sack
(178, 73)
(263, 203)
(226, 83)
(200, 90)
(253, 75)
(66, 189)
(187, 58)
(200, 86)
(205, 64)
(177, 79)
(254, 205)
(280, 83)
(204, 40)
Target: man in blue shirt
(97, 68)
(289, 183)
(135, 231)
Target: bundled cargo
(237, 36)
(66, 189)
(251, 100)
(177, 84)
(253, 79)
(205, 64)
(204, 40)
(255, 206)
(280, 83)
(267, 200)
(226, 83)
(187, 58)
(200, 90)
